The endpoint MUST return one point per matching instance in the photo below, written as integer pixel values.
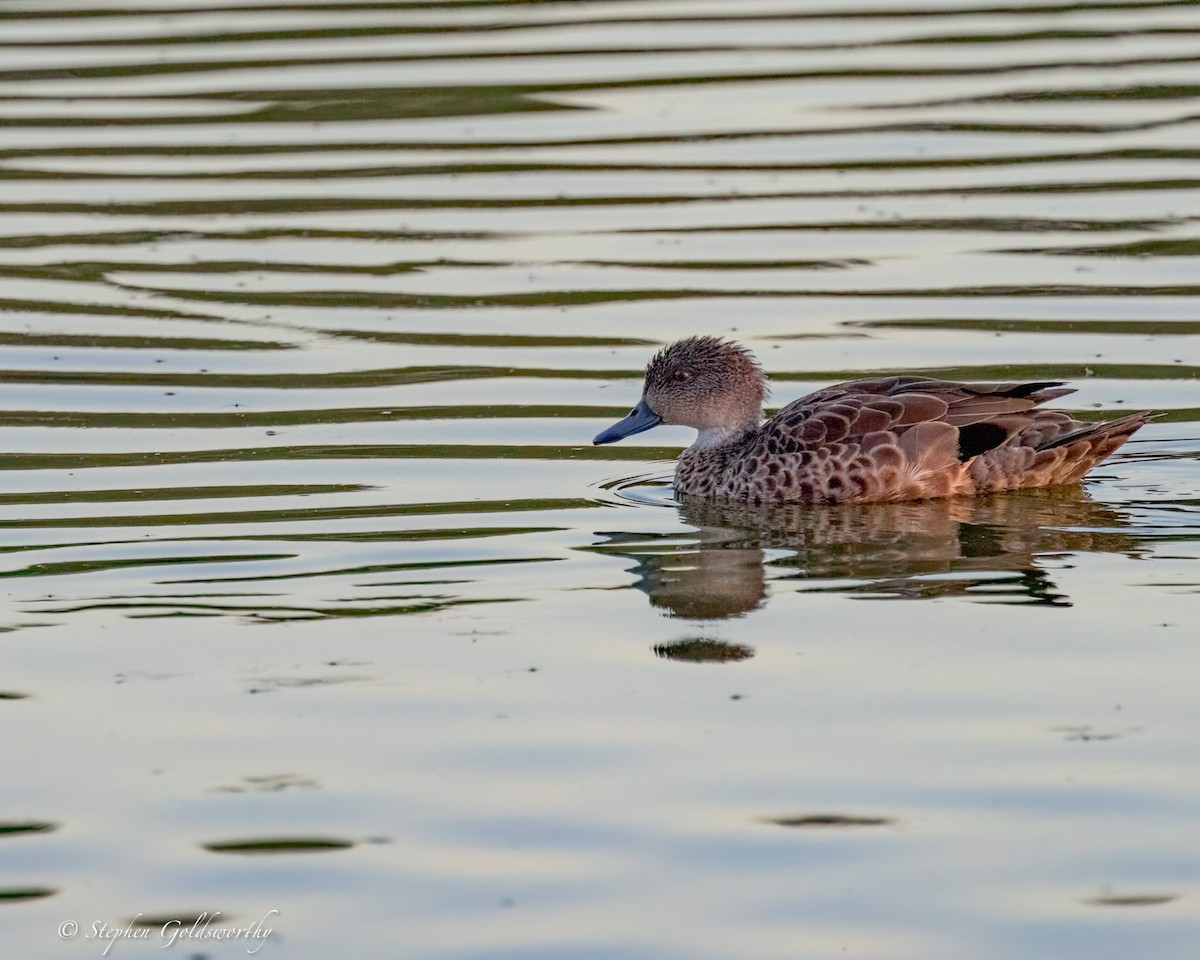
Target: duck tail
(1083, 449)
(1119, 430)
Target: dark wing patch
(977, 438)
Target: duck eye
(679, 376)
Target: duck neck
(712, 438)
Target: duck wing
(971, 417)
(907, 437)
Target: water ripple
(308, 314)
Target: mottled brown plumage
(884, 439)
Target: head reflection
(1000, 549)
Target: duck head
(702, 382)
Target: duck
(884, 439)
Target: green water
(322, 613)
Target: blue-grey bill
(640, 418)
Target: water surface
(319, 600)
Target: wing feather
(875, 412)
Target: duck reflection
(990, 548)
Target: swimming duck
(885, 439)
